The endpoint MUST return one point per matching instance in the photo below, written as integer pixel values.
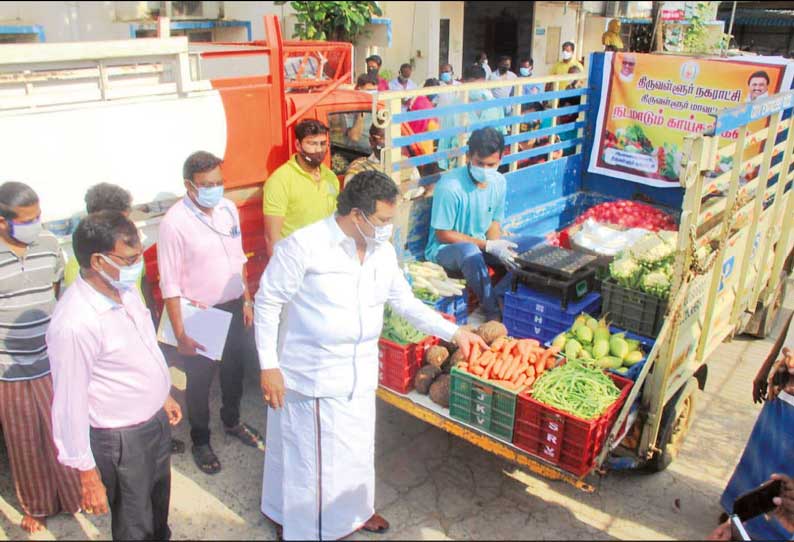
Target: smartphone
(758, 501)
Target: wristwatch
(248, 303)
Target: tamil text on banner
(649, 103)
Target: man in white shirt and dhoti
(320, 370)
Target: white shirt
(334, 311)
(395, 84)
(503, 92)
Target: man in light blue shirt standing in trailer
(465, 230)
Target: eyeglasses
(131, 260)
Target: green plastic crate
(482, 404)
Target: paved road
(433, 486)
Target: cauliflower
(625, 271)
(652, 252)
(656, 283)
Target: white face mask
(567, 55)
(382, 233)
(25, 233)
(128, 275)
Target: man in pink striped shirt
(111, 411)
(201, 258)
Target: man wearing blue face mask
(201, 258)
(465, 231)
(32, 265)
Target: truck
(241, 100)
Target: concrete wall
(550, 15)
(454, 12)
(67, 21)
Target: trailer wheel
(675, 428)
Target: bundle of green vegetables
(398, 330)
(576, 388)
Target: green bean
(579, 389)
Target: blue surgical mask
(24, 233)
(483, 175)
(208, 196)
(525, 72)
(479, 95)
(446, 77)
(128, 275)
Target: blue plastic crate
(634, 370)
(456, 306)
(522, 329)
(519, 311)
(548, 305)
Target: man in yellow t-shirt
(302, 191)
(568, 60)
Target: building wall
(454, 12)
(551, 15)
(68, 21)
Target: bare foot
(376, 524)
(33, 525)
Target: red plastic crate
(398, 363)
(562, 439)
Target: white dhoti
(319, 479)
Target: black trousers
(135, 466)
(199, 371)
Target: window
(186, 9)
(443, 46)
(349, 134)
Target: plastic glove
(502, 249)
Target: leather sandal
(376, 524)
(205, 459)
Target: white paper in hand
(209, 327)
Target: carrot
(498, 344)
(474, 353)
(539, 368)
(530, 372)
(482, 361)
(529, 381)
(532, 343)
(521, 379)
(514, 364)
(508, 346)
(496, 367)
(506, 365)
(551, 361)
(477, 370)
(489, 368)
(522, 370)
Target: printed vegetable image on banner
(649, 103)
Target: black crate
(567, 290)
(633, 310)
(554, 261)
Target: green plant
(334, 21)
(696, 33)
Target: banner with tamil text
(649, 103)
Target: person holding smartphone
(783, 509)
(768, 449)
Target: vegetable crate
(398, 364)
(563, 439)
(566, 290)
(632, 309)
(634, 370)
(534, 315)
(456, 306)
(482, 404)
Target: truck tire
(676, 421)
(762, 322)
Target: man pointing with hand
(465, 231)
(320, 370)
